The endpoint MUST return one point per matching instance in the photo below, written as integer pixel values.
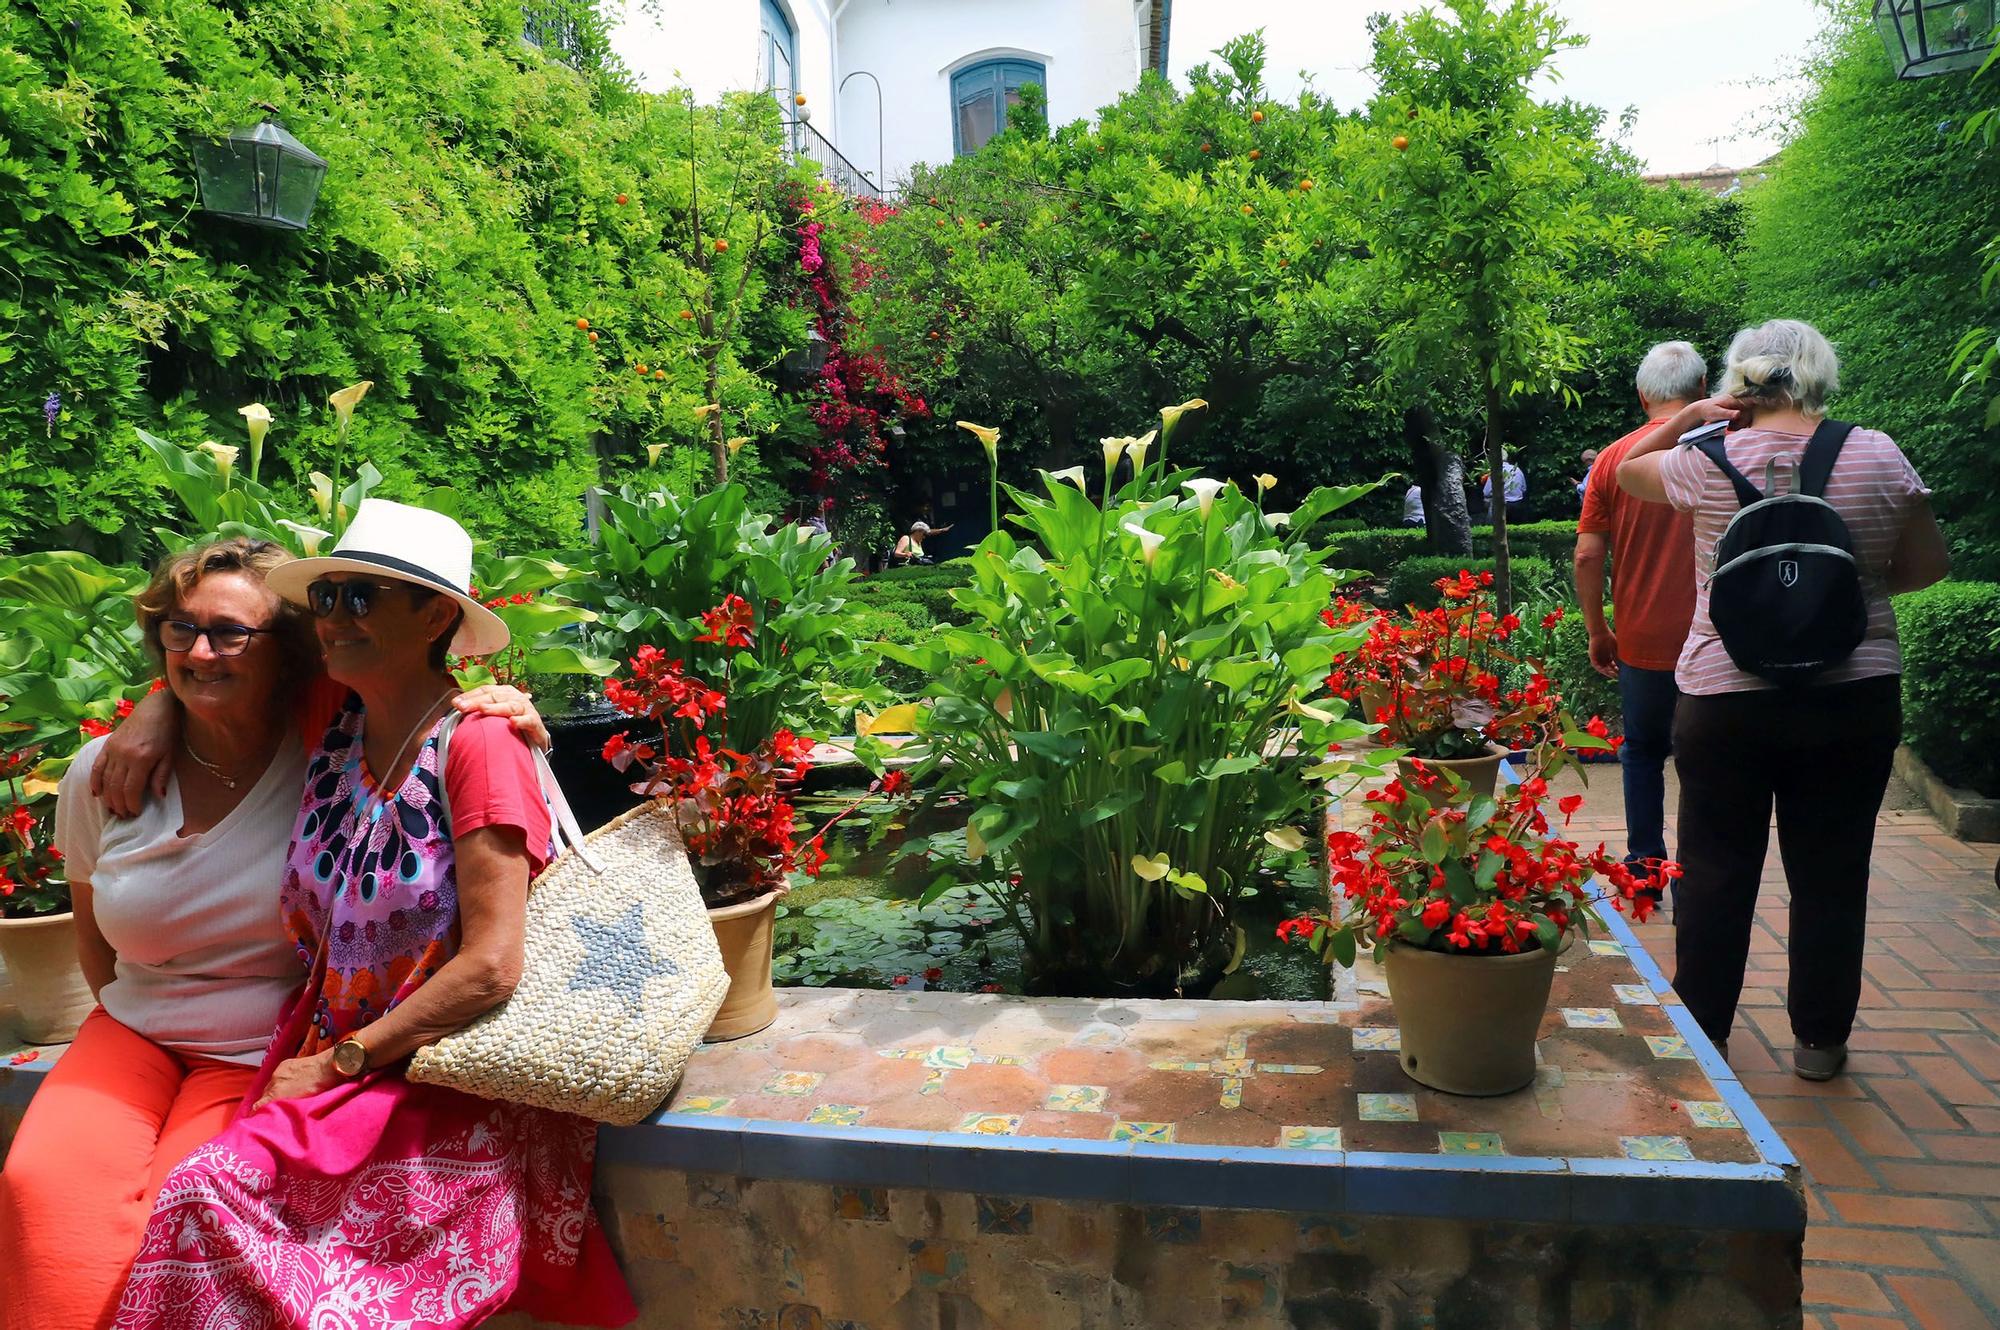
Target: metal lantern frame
(1927, 37)
(260, 176)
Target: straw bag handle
(564, 832)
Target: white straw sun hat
(404, 544)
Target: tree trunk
(1503, 589)
(1441, 476)
(715, 443)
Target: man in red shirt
(1651, 547)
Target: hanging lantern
(1927, 37)
(805, 363)
(261, 176)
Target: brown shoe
(1818, 1064)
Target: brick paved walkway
(1902, 1154)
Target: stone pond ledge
(882, 1159)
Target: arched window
(778, 52)
(981, 95)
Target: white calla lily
(322, 492)
(1204, 491)
(224, 458)
(1171, 415)
(653, 451)
(1136, 449)
(310, 537)
(1149, 541)
(257, 420)
(1114, 448)
(1267, 481)
(344, 401)
(1073, 474)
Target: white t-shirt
(1513, 484)
(1413, 506)
(204, 964)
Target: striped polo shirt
(1873, 488)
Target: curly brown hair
(178, 574)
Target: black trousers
(1822, 757)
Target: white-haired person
(1818, 751)
(1650, 549)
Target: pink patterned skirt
(379, 1203)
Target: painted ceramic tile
(1657, 1149)
(1669, 1046)
(1178, 1226)
(1636, 995)
(1378, 1039)
(991, 1124)
(1470, 1143)
(1075, 1098)
(1309, 1138)
(1600, 947)
(1708, 1113)
(1005, 1216)
(1152, 1133)
(837, 1115)
(702, 1105)
(951, 1057)
(794, 1082)
(1591, 1018)
(864, 1203)
(1387, 1107)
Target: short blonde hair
(178, 574)
(1785, 360)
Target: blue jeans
(1647, 698)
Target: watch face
(349, 1058)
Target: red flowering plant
(1481, 876)
(1450, 682)
(31, 876)
(734, 808)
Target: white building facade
(890, 83)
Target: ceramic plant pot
(1469, 1022)
(1477, 774)
(46, 982)
(743, 931)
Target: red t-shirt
(1652, 562)
(489, 776)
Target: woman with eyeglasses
(179, 931)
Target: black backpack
(1785, 595)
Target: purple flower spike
(50, 410)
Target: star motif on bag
(616, 956)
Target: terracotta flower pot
(46, 983)
(1477, 773)
(1469, 1022)
(743, 931)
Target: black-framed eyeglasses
(324, 597)
(224, 639)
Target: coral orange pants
(113, 1117)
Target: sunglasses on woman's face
(224, 639)
(324, 597)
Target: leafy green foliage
(1566, 660)
(1951, 680)
(1878, 175)
(1414, 581)
(469, 219)
(1121, 712)
(662, 562)
(877, 940)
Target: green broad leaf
(1112, 805)
(1118, 673)
(1588, 742)
(1435, 842)
(1030, 788)
(1125, 757)
(1489, 868)
(1189, 884)
(569, 660)
(1340, 945)
(1458, 883)
(940, 884)
(1236, 952)
(1066, 748)
(1239, 674)
(1130, 715)
(1230, 766)
(1171, 773)
(1546, 932)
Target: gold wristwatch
(350, 1057)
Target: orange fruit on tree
(1256, 154)
(593, 337)
(582, 324)
(621, 200)
(1400, 143)
(1204, 147)
(722, 246)
(640, 367)
(1247, 210)
(659, 374)
(1256, 117)
(1306, 184)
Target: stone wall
(719, 1251)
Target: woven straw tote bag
(620, 980)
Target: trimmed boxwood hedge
(1951, 680)
(1380, 550)
(1413, 581)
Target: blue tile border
(1770, 1145)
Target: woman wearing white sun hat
(405, 895)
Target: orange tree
(1475, 199)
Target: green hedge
(1380, 550)
(920, 595)
(1412, 583)
(1585, 692)
(1951, 680)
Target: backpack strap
(1822, 451)
(1746, 493)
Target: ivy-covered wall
(481, 198)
